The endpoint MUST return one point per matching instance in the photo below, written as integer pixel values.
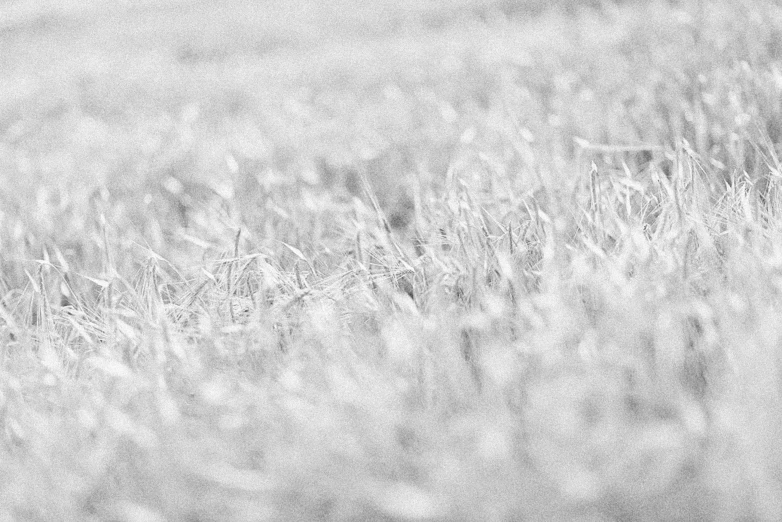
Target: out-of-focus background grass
(468, 260)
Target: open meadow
(474, 260)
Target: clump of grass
(537, 278)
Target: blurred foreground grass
(400, 261)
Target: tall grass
(504, 266)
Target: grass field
(479, 260)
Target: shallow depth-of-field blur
(475, 260)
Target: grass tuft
(473, 261)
